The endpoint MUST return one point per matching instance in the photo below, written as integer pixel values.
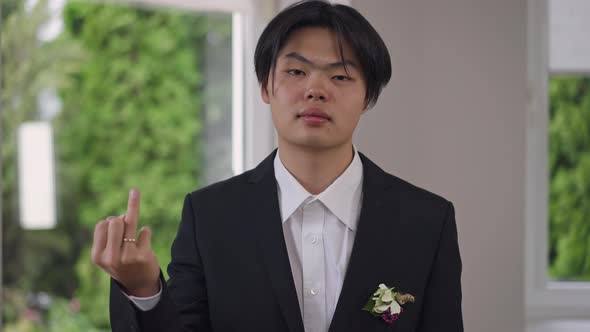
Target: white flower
(381, 307)
(384, 299)
(387, 297)
(382, 288)
(387, 300)
(395, 308)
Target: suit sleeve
(183, 305)
(441, 309)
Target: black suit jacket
(230, 269)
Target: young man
(304, 241)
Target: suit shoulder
(222, 189)
(416, 195)
(421, 203)
(401, 188)
(407, 185)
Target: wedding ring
(125, 239)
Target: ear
(264, 95)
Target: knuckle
(125, 260)
(128, 258)
(101, 226)
(96, 259)
(141, 258)
(113, 225)
(110, 262)
(106, 261)
(98, 225)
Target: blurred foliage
(8, 7)
(13, 304)
(132, 121)
(28, 67)
(63, 316)
(131, 84)
(569, 193)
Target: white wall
(453, 121)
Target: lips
(315, 115)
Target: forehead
(318, 44)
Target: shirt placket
(314, 274)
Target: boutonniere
(387, 303)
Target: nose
(316, 88)
(315, 94)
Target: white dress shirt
(319, 232)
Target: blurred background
(98, 98)
(489, 106)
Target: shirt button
(314, 291)
(314, 239)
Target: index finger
(132, 214)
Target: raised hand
(128, 260)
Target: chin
(311, 141)
(315, 143)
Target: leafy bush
(132, 121)
(569, 161)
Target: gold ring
(128, 239)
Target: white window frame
(253, 136)
(544, 299)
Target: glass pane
(569, 186)
(569, 28)
(217, 100)
(135, 97)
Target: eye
(342, 78)
(295, 72)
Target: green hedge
(131, 121)
(32, 260)
(569, 193)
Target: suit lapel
(368, 263)
(268, 233)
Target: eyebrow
(299, 57)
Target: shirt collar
(342, 197)
(291, 192)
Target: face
(316, 103)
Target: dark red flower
(389, 318)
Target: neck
(315, 169)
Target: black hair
(348, 24)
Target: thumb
(144, 240)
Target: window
(558, 147)
(154, 94)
